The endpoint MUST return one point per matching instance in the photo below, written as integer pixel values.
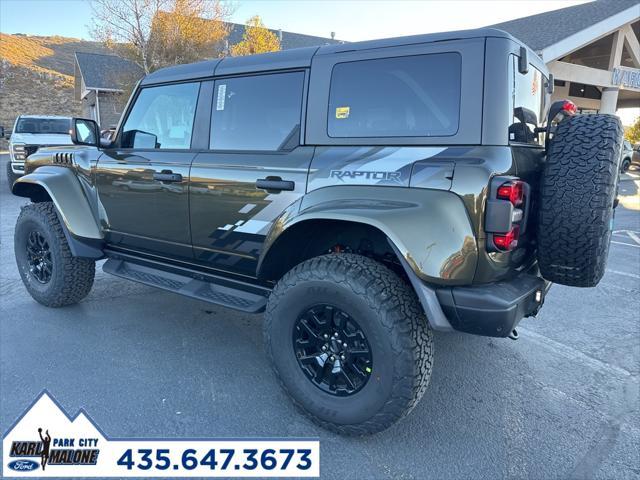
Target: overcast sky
(350, 19)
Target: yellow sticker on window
(342, 112)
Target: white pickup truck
(30, 132)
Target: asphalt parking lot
(561, 402)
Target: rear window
(260, 112)
(43, 125)
(413, 96)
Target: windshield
(43, 125)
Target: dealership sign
(626, 77)
(47, 442)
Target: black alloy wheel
(346, 305)
(39, 257)
(332, 350)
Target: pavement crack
(590, 463)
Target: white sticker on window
(222, 93)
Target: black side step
(251, 299)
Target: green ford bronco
(362, 195)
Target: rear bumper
(493, 309)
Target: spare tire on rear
(578, 189)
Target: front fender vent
(63, 158)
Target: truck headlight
(19, 151)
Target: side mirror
(523, 61)
(139, 139)
(85, 132)
(1, 132)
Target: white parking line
(627, 234)
(633, 236)
(627, 244)
(571, 353)
(632, 275)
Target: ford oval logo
(23, 465)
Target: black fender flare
(63, 188)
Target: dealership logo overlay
(63, 453)
(47, 442)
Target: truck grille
(31, 149)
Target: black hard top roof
(293, 58)
(414, 39)
(301, 57)
(188, 71)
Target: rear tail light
(509, 240)
(512, 191)
(569, 108)
(557, 111)
(506, 213)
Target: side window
(414, 96)
(260, 112)
(528, 96)
(162, 117)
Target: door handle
(275, 184)
(167, 176)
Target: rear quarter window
(528, 93)
(410, 96)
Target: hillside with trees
(36, 75)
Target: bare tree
(126, 26)
(156, 33)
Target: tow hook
(514, 334)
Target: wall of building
(88, 105)
(109, 106)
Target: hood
(41, 138)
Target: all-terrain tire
(578, 190)
(390, 315)
(71, 278)
(11, 177)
